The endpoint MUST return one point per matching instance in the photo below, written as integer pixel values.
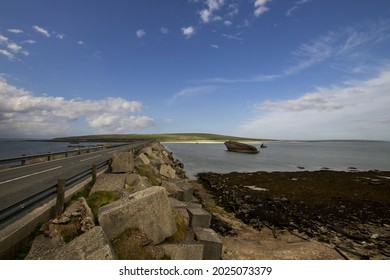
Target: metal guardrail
(11, 211)
(48, 156)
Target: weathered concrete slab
(212, 249)
(175, 203)
(186, 251)
(135, 183)
(173, 190)
(199, 217)
(109, 182)
(188, 190)
(122, 162)
(148, 210)
(141, 159)
(92, 245)
(147, 150)
(167, 171)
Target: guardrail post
(94, 174)
(48, 156)
(59, 208)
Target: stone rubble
(155, 200)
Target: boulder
(173, 190)
(146, 150)
(141, 159)
(135, 183)
(212, 243)
(109, 182)
(122, 162)
(92, 245)
(186, 251)
(167, 171)
(148, 210)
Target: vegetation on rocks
(99, 199)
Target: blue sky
(303, 69)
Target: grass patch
(181, 225)
(149, 173)
(99, 199)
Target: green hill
(171, 137)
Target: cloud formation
(190, 91)
(24, 114)
(140, 33)
(188, 31)
(41, 30)
(13, 48)
(260, 7)
(352, 110)
(207, 14)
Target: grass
(26, 245)
(170, 137)
(99, 199)
(181, 225)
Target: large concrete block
(199, 217)
(141, 160)
(212, 249)
(186, 251)
(148, 210)
(175, 203)
(109, 182)
(92, 245)
(122, 162)
(173, 190)
(167, 171)
(188, 190)
(135, 183)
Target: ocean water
(10, 148)
(284, 156)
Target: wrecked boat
(238, 147)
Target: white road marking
(25, 176)
(90, 158)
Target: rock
(173, 190)
(188, 190)
(109, 182)
(167, 171)
(141, 159)
(148, 210)
(186, 251)
(135, 183)
(122, 162)
(199, 217)
(211, 242)
(92, 245)
(146, 150)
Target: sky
(271, 69)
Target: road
(19, 183)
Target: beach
(300, 215)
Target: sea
(284, 156)
(278, 156)
(11, 148)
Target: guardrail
(11, 211)
(49, 156)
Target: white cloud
(340, 45)
(296, 6)
(207, 14)
(7, 54)
(41, 30)
(14, 47)
(227, 22)
(260, 7)
(14, 30)
(60, 36)
(164, 30)
(214, 46)
(29, 42)
(140, 33)
(80, 42)
(188, 31)
(353, 110)
(190, 91)
(3, 39)
(23, 113)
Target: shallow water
(284, 156)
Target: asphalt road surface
(19, 183)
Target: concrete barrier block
(187, 251)
(199, 217)
(212, 249)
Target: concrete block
(212, 249)
(109, 182)
(167, 171)
(199, 217)
(148, 210)
(173, 190)
(141, 160)
(187, 188)
(122, 162)
(186, 251)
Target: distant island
(171, 137)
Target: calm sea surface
(284, 156)
(10, 148)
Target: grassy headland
(171, 137)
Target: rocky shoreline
(350, 211)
